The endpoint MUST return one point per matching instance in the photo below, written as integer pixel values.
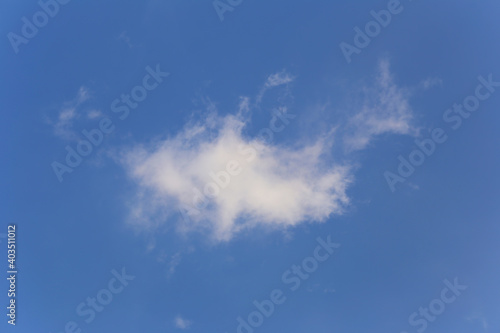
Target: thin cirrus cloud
(275, 80)
(385, 109)
(278, 79)
(430, 82)
(182, 323)
(71, 113)
(63, 126)
(270, 185)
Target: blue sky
(228, 137)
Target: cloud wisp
(71, 112)
(385, 109)
(182, 323)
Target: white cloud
(175, 260)
(278, 79)
(430, 83)
(82, 96)
(182, 323)
(69, 113)
(385, 109)
(64, 123)
(277, 186)
(244, 106)
(93, 114)
(210, 177)
(275, 80)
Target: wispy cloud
(182, 323)
(275, 80)
(430, 82)
(65, 122)
(479, 318)
(278, 79)
(94, 114)
(70, 112)
(175, 260)
(385, 109)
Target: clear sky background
(321, 175)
